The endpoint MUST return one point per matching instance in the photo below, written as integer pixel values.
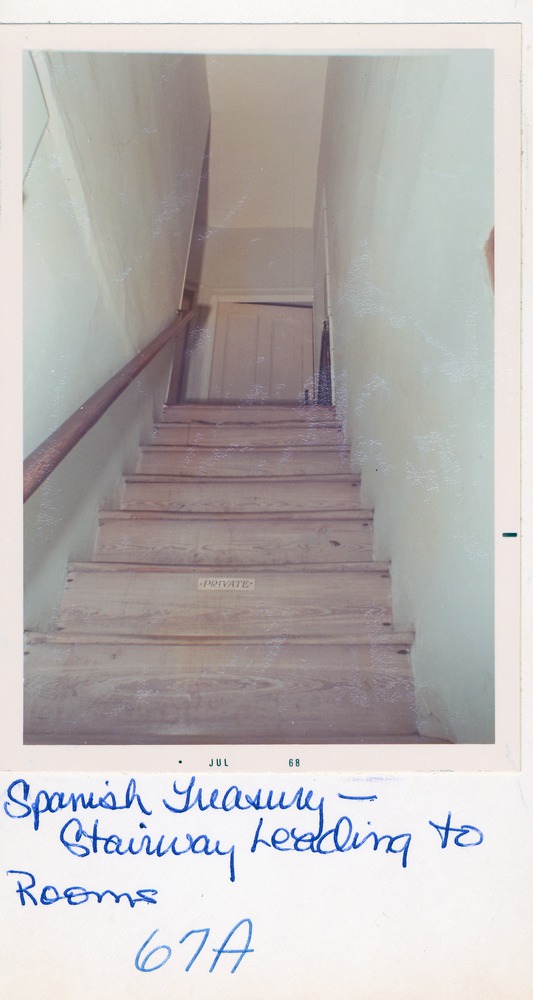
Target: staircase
(233, 598)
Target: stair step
(150, 600)
(382, 637)
(248, 435)
(205, 461)
(213, 413)
(233, 597)
(376, 568)
(247, 494)
(250, 693)
(173, 539)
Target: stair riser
(145, 602)
(212, 414)
(242, 435)
(275, 693)
(242, 462)
(246, 497)
(235, 542)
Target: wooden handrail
(48, 455)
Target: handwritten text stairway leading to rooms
(300, 821)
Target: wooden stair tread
(326, 493)
(263, 413)
(308, 435)
(239, 540)
(296, 692)
(227, 569)
(386, 637)
(242, 425)
(346, 478)
(250, 450)
(337, 659)
(253, 517)
(309, 654)
(114, 597)
(203, 460)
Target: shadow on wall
(195, 330)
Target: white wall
(109, 206)
(406, 160)
(267, 264)
(266, 115)
(263, 259)
(257, 198)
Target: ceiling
(266, 118)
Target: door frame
(289, 297)
(322, 253)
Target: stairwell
(233, 598)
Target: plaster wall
(265, 137)
(263, 264)
(407, 168)
(266, 258)
(109, 206)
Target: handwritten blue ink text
(82, 843)
(21, 803)
(146, 961)
(74, 895)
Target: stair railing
(48, 455)
(324, 392)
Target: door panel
(235, 356)
(262, 353)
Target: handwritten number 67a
(153, 959)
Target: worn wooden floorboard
(248, 435)
(150, 600)
(125, 537)
(198, 460)
(259, 413)
(273, 692)
(246, 495)
(233, 598)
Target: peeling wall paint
(407, 164)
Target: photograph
(266, 646)
(258, 336)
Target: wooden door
(262, 354)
